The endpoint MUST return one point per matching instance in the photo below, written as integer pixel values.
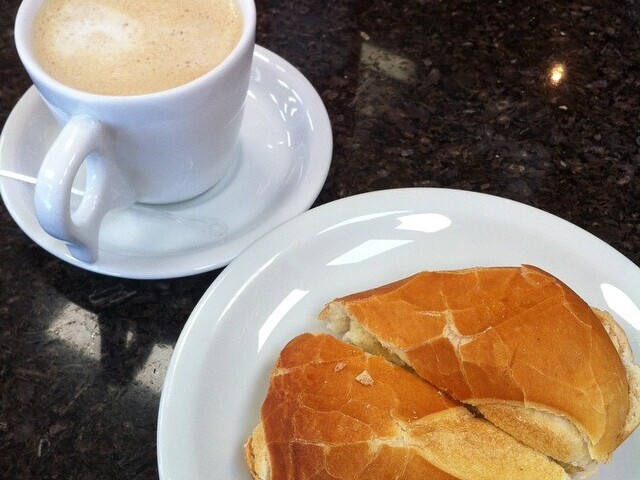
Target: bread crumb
(364, 378)
(339, 366)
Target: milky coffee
(132, 47)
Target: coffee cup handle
(82, 140)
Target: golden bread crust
(512, 335)
(621, 342)
(333, 411)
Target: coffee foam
(89, 24)
(124, 47)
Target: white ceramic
(155, 148)
(219, 371)
(278, 174)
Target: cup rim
(22, 34)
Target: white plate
(284, 157)
(219, 372)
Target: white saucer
(284, 157)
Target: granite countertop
(457, 94)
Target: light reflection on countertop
(80, 330)
(557, 74)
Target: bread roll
(334, 412)
(516, 344)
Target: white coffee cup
(155, 148)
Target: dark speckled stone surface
(451, 94)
